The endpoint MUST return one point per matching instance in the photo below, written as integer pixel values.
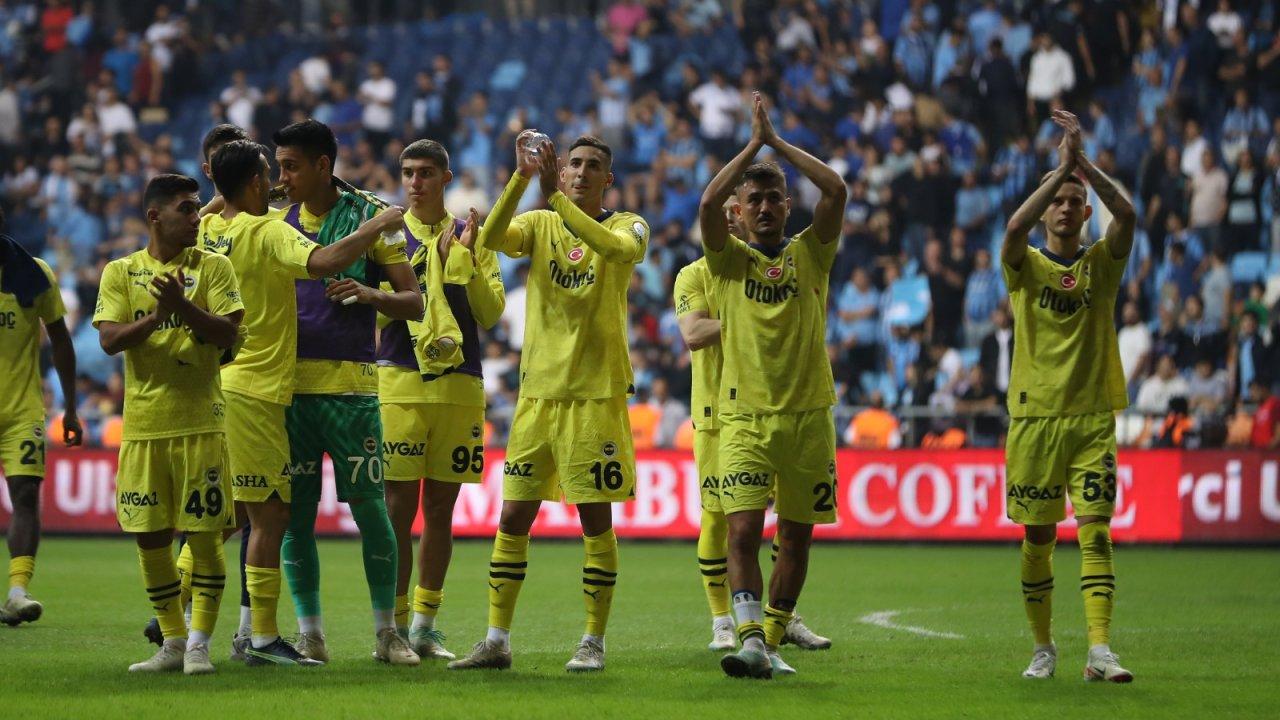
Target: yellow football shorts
(1050, 459)
(706, 456)
(578, 450)
(259, 449)
(439, 441)
(22, 447)
(178, 483)
(796, 452)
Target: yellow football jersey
(335, 377)
(21, 396)
(693, 293)
(268, 256)
(171, 383)
(575, 336)
(1066, 359)
(773, 325)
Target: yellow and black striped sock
(264, 597)
(160, 577)
(599, 576)
(775, 624)
(21, 568)
(426, 605)
(507, 568)
(1097, 580)
(713, 551)
(402, 611)
(185, 563)
(1037, 588)
(208, 579)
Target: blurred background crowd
(936, 113)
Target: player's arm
(330, 259)
(699, 329)
(485, 292)
(215, 205)
(116, 332)
(711, 218)
(1119, 237)
(171, 299)
(404, 302)
(828, 214)
(64, 362)
(497, 234)
(616, 246)
(1025, 218)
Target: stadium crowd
(936, 113)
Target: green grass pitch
(1200, 628)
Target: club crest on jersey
(609, 449)
(37, 431)
(476, 432)
(212, 475)
(1109, 461)
(773, 273)
(188, 282)
(1067, 281)
(370, 445)
(576, 254)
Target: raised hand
(1072, 139)
(387, 221)
(548, 168)
(169, 292)
(471, 231)
(761, 126)
(526, 158)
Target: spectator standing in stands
(1208, 388)
(983, 294)
(1244, 206)
(856, 326)
(240, 99)
(996, 354)
(873, 428)
(378, 95)
(1250, 355)
(717, 105)
(1050, 76)
(1157, 390)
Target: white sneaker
(196, 660)
(311, 646)
(747, 663)
(393, 650)
(801, 636)
(780, 666)
(429, 643)
(484, 655)
(240, 645)
(1104, 665)
(20, 609)
(1043, 663)
(589, 657)
(724, 637)
(169, 658)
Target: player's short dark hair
(766, 174)
(426, 150)
(220, 135)
(235, 165)
(595, 142)
(313, 137)
(1071, 179)
(163, 188)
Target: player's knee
(24, 494)
(1040, 534)
(793, 536)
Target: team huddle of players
(258, 339)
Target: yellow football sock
(185, 563)
(160, 577)
(427, 602)
(506, 574)
(599, 576)
(1037, 588)
(775, 625)
(713, 558)
(208, 577)
(264, 596)
(21, 568)
(402, 611)
(1097, 580)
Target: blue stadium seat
(1247, 267)
(969, 356)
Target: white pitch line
(884, 619)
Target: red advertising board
(1164, 496)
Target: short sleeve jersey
(21, 396)
(773, 325)
(692, 291)
(171, 385)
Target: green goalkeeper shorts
(346, 427)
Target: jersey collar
(773, 253)
(1061, 260)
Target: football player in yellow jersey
(571, 436)
(268, 256)
(335, 404)
(1065, 385)
(699, 319)
(776, 388)
(173, 309)
(29, 298)
(433, 413)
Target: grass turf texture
(1197, 626)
